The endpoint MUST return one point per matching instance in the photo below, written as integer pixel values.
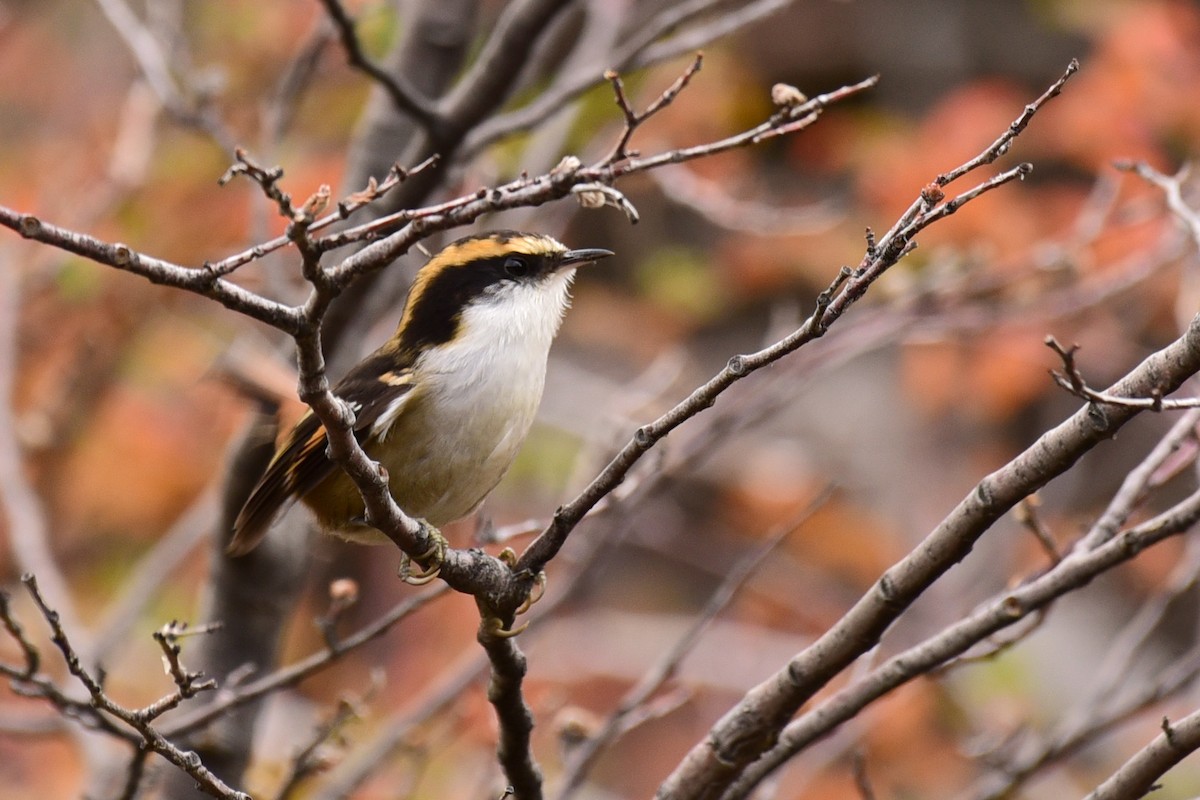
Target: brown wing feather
(301, 463)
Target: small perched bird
(445, 403)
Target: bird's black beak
(572, 257)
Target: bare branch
(1073, 381)
(187, 682)
(1172, 189)
(139, 720)
(514, 749)
(28, 651)
(634, 119)
(294, 673)
(1002, 612)
(716, 762)
(1137, 777)
(1004, 142)
(267, 179)
(584, 756)
(126, 259)
(404, 96)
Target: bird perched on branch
(445, 403)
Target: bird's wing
(301, 463)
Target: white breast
(483, 391)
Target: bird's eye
(516, 266)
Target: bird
(445, 403)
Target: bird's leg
(434, 557)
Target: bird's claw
(537, 593)
(435, 555)
(494, 628)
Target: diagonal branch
(846, 289)
(152, 60)
(730, 747)
(1002, 612)
(404, 96)
(1138, 776)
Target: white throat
(503, 342)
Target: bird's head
(503, 284)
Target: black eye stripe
(434, 315)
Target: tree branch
(1137, 777)
(404, 96)
(1002, 612)
(139, 720)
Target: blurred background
(124, 405)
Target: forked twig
(1073, 381)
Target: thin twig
(266, 178)
(634, 119)
(294, 673)
(309, 760)
(26, 681)
(1073, 381)
(584, 755)
(1005, 140)
(187, 682)
(404, 96)
(1172, 189)
(138, 720)
(373, 191)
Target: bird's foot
(429, 563)
(494, 625)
